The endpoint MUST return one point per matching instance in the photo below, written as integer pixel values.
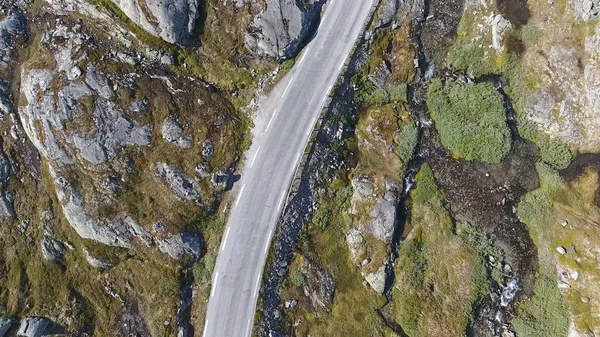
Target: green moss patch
(470, 119)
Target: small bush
(407, 141)
(535, 210)
(470, 119)
(426, 187)
(530, 34)
(364, 88)
(398, 93)
(297, 278)
(478, 241)
(203, 269)
(550, 180)
(543, 315)
(169, 285)
(379, 96)
(288, 64)
(469, 56)
(526, 128)
(555, 153)
(416, 263)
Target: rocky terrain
(450, 189)
(454, 200)
(123, 123)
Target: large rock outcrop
(282, 27)
(172, 21)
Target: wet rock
(277, 32)
(377, 279)
(181, 246)
(208, 148)
(6, 205)
(183, 186)
(384, 212)
(5, 324)
(172, 21)
(94, 262)
(172, 132)
(355, 241)
(52, 250)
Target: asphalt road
(281, 134)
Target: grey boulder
(172, 21)
(377, 280)
(355, 241)
(5, 324)
(94, 262)
(183, 245)
(52, 250)
(172, 132)
(6, 205)
(384, 214)
(278, 32)
(183, 186)
(37, 327)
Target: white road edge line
(239, 196)
(280, 201)
(266, 245)
(305, 53)
(225, 239)
(256, 286)
(214, 285)
(255, 154)
(270, 120)
(249, 327)
(205, 329)
(288, 86)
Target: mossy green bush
(407, 141)
(544, 315)
(426, 188)
(398, 93)
(555, 153)
(470, 119)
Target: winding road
(282, 131)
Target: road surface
(281, 134)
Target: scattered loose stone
(561, 250)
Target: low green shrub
(426, 188)
(398, 93)
(288, 64)
(407, 141)
(543, 315)
(555, 153)
(470, 119)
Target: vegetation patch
(470, 119)
(439, 276)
